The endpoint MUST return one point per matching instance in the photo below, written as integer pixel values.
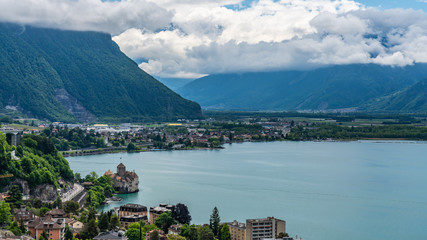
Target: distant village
(80, 139)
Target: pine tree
(214, 221)
(103, 222)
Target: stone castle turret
(121, 169)
(124, 181)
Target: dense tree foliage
(14, 197)
(5, 214)
(164, 221)
(137, 230)
(224, 233)
(181, 214)
(71, 207)
(333, 131)
(102, 187)
(39, 161)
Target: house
(175, 229)
(54, 228)
(23, 215)
(74, 224)
(156, 211)
(130, 213)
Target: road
(72, 193)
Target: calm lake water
(324, 190)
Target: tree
(14, 197)
(164, 221)
(214, 221)
(181, 214)
(282, 235)
(185, 231)
(5, 215)
(15, 229)
(205, 233)
(44, 236)
(175, 237)
(58, 203)
(225, 232)
(90, 230)
(193, 233)
(43, 211)
(154, 235)
(114, 222)
(131, 147)
(68, 233)
(71, 206)
(103, 222)
(133, 233)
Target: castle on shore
(124, 181)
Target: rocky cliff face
(44, 192)
(74, 106)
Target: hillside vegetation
(39, 162)
(336, 87)
(80, 76)
(412, 99)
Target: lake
(324, 190)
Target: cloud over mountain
(189, 39)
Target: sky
(194, 38)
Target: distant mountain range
(367, 87)
(412, 99)
(80, 76)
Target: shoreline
(78, 153)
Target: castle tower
(121, 169)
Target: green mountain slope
(336, 87)
(83, 76)
(412, 99)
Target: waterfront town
(73, 216)
(81, 139)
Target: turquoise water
(324, 190)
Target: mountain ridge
(329, 88)
(87, 68)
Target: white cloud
(113, 17)
(187, 38)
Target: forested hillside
(336, 87)
(39, 162)
(413, 99)
(80, 76)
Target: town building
(156, 211)
(132, 209)
(175, 229)
(259, 229)
(131, 213)
(237, 230)
(111, 235)
(74, 224)
(54, 229)
(124, 181)
(23, 215)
